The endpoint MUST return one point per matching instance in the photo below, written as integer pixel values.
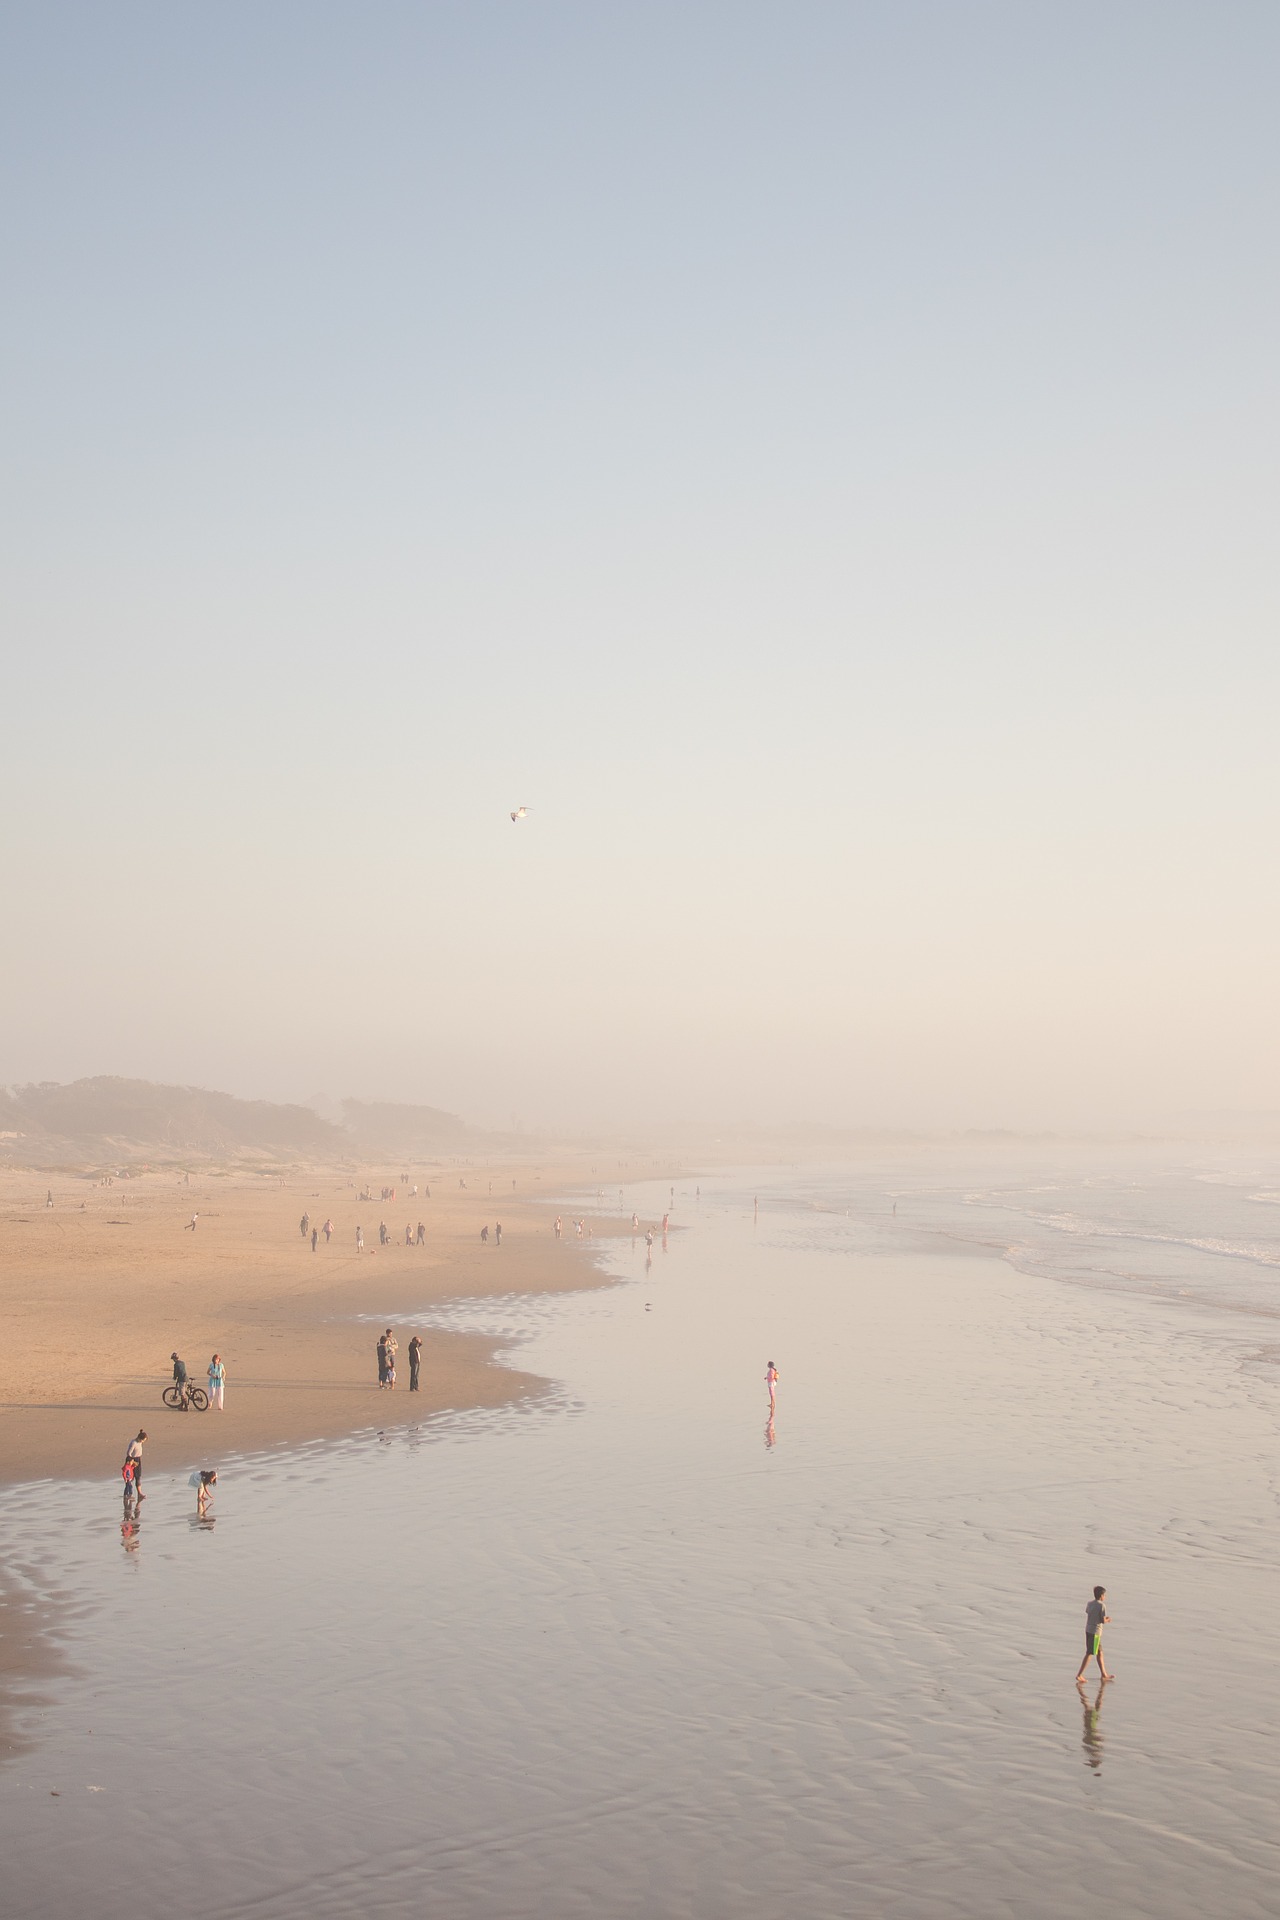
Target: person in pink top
(771, 1381)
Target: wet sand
(626, 1650)
(97, 1292)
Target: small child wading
(1096, 1618)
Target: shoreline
(97, 1291)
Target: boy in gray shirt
(1096, 1618)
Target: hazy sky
(822, 459)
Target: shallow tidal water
(626, 1652)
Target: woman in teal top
(217, 1380)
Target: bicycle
(180, 1398)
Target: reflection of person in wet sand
(770, 1432)
(1091, 1738)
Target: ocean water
(632, 1651)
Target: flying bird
(520, 813)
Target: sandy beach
(634, 1647)
(98, 1290)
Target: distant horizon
(332, 1110)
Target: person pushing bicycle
(180, 1379)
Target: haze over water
(625, 1652)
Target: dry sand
(97, 1292)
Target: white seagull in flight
(520, 813)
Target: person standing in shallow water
(771, 1381)
(415, 1361)
(134, 1453)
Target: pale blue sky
(821, 458)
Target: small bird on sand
(520, 813)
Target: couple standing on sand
(388, 1347)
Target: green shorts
(1093, 1645)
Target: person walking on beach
(382, 1359)
(484, 1236)
(1096, 1618)
(771, 1381)
(415, 1361)
(497, 1233)
(359, 1239)
(315, 1236)
(217, 1381)
(327, 1230)
(191, 1224)
(422, 1234)
(304, 1225)
(134, 1454)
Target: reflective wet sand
(631, 1653)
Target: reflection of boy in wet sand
(1096, 1618)
(1092, 1735)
